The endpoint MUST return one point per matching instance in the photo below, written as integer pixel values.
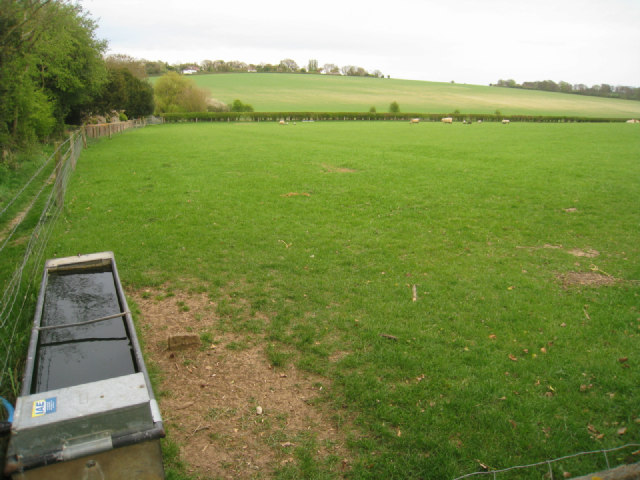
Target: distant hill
(315, 93)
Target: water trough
(86, 408)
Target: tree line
(286, 65)
(53, 73)
(603, 90)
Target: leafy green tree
(155, 68)
(22, 107)
(50, 68)
(394, 107)
(238, 106)
(124, 91)
(140, 102)
(119, 60)
(176, 93)
(69, 61)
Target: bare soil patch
(333, 169)
(296, 194)
(589, 253)
(591, 279)
(231, 412)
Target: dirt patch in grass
(231, 412)
(589, 253)
(332, 169)
(591, 279)
(576, 252)
(296, 194)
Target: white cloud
(587, 41)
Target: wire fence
(545, 469)
(22, 247)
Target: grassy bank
(323, 230)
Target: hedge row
(350, 116)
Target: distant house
(190, 70)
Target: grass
(322, 93)
(326, 228)
(21, 179)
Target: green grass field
(322, 93)
(500, 360)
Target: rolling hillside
(290, 92)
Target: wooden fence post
(58, 182)
(83, 132)
(72, 150)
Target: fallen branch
(390, 337)
(199, 428)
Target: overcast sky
(468, 41)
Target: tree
(238, 106)
(605, 90)
(565, 87)
(155, 68)
(331, 69)
(312, 67)
(288, 66)
(237, 66)
(347, 70)
(69, 61)
(119, 60)
(176, 93)
(266, 68)
(123, 91)
(394, 107)
(51, 68)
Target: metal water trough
(86, 409)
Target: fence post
(72, 150)
(83, 132)
(58, 182)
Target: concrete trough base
(142, 461)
